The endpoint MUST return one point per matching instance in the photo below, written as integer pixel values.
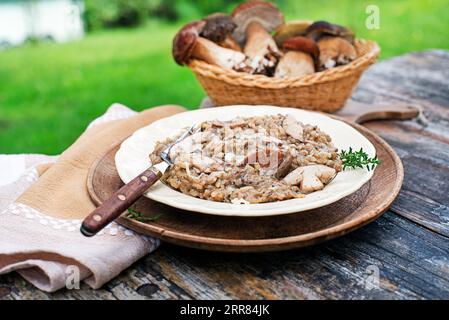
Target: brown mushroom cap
(218, 26)
(185, 40)
(284, 167)
(290, 29)
(303, 44)
(322, 28)
(265, 13)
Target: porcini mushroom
(219, 28)
(335, 51)
(310, 178)
(290, 29)
(293, 128)
(255, 20)
(320, 29)
(300, 58)
(188, 44)
(335, 43)
(284, 167)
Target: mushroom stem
(255, 20)
(214, 54)
(230, 43)
(261, 49)
(258, 42)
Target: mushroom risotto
(251, 160)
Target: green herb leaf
(358, 159)
(133, 214)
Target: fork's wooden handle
(121, 200)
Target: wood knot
(147, 290)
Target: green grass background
(50, 92)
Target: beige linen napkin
(44, 198)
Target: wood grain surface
(409, 244)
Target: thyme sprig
(358, 159)
(133, 214)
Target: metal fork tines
(165, 154)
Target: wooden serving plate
(241, 234)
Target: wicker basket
(324, 91)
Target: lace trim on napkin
(69, 225)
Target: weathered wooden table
(408, 246)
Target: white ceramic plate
(132, 158)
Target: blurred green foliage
(404, 24)
(127, 13)
(118, 13)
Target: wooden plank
(418, 78)
(424, 197)
(14, 287)
(145, 281)
(412, 261)
(413, 264)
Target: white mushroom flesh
(258, 41)
(293, 128)
(310, 178)
(295, 64)
(294, 178)
(212, 53)
(260, 48)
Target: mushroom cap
(303, 44)
(321, 28)
(284, 167)
(265, 13)
(218, 26)
(291, 29)
(185, 40)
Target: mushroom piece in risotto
(251, 160)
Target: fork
(128, 194)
